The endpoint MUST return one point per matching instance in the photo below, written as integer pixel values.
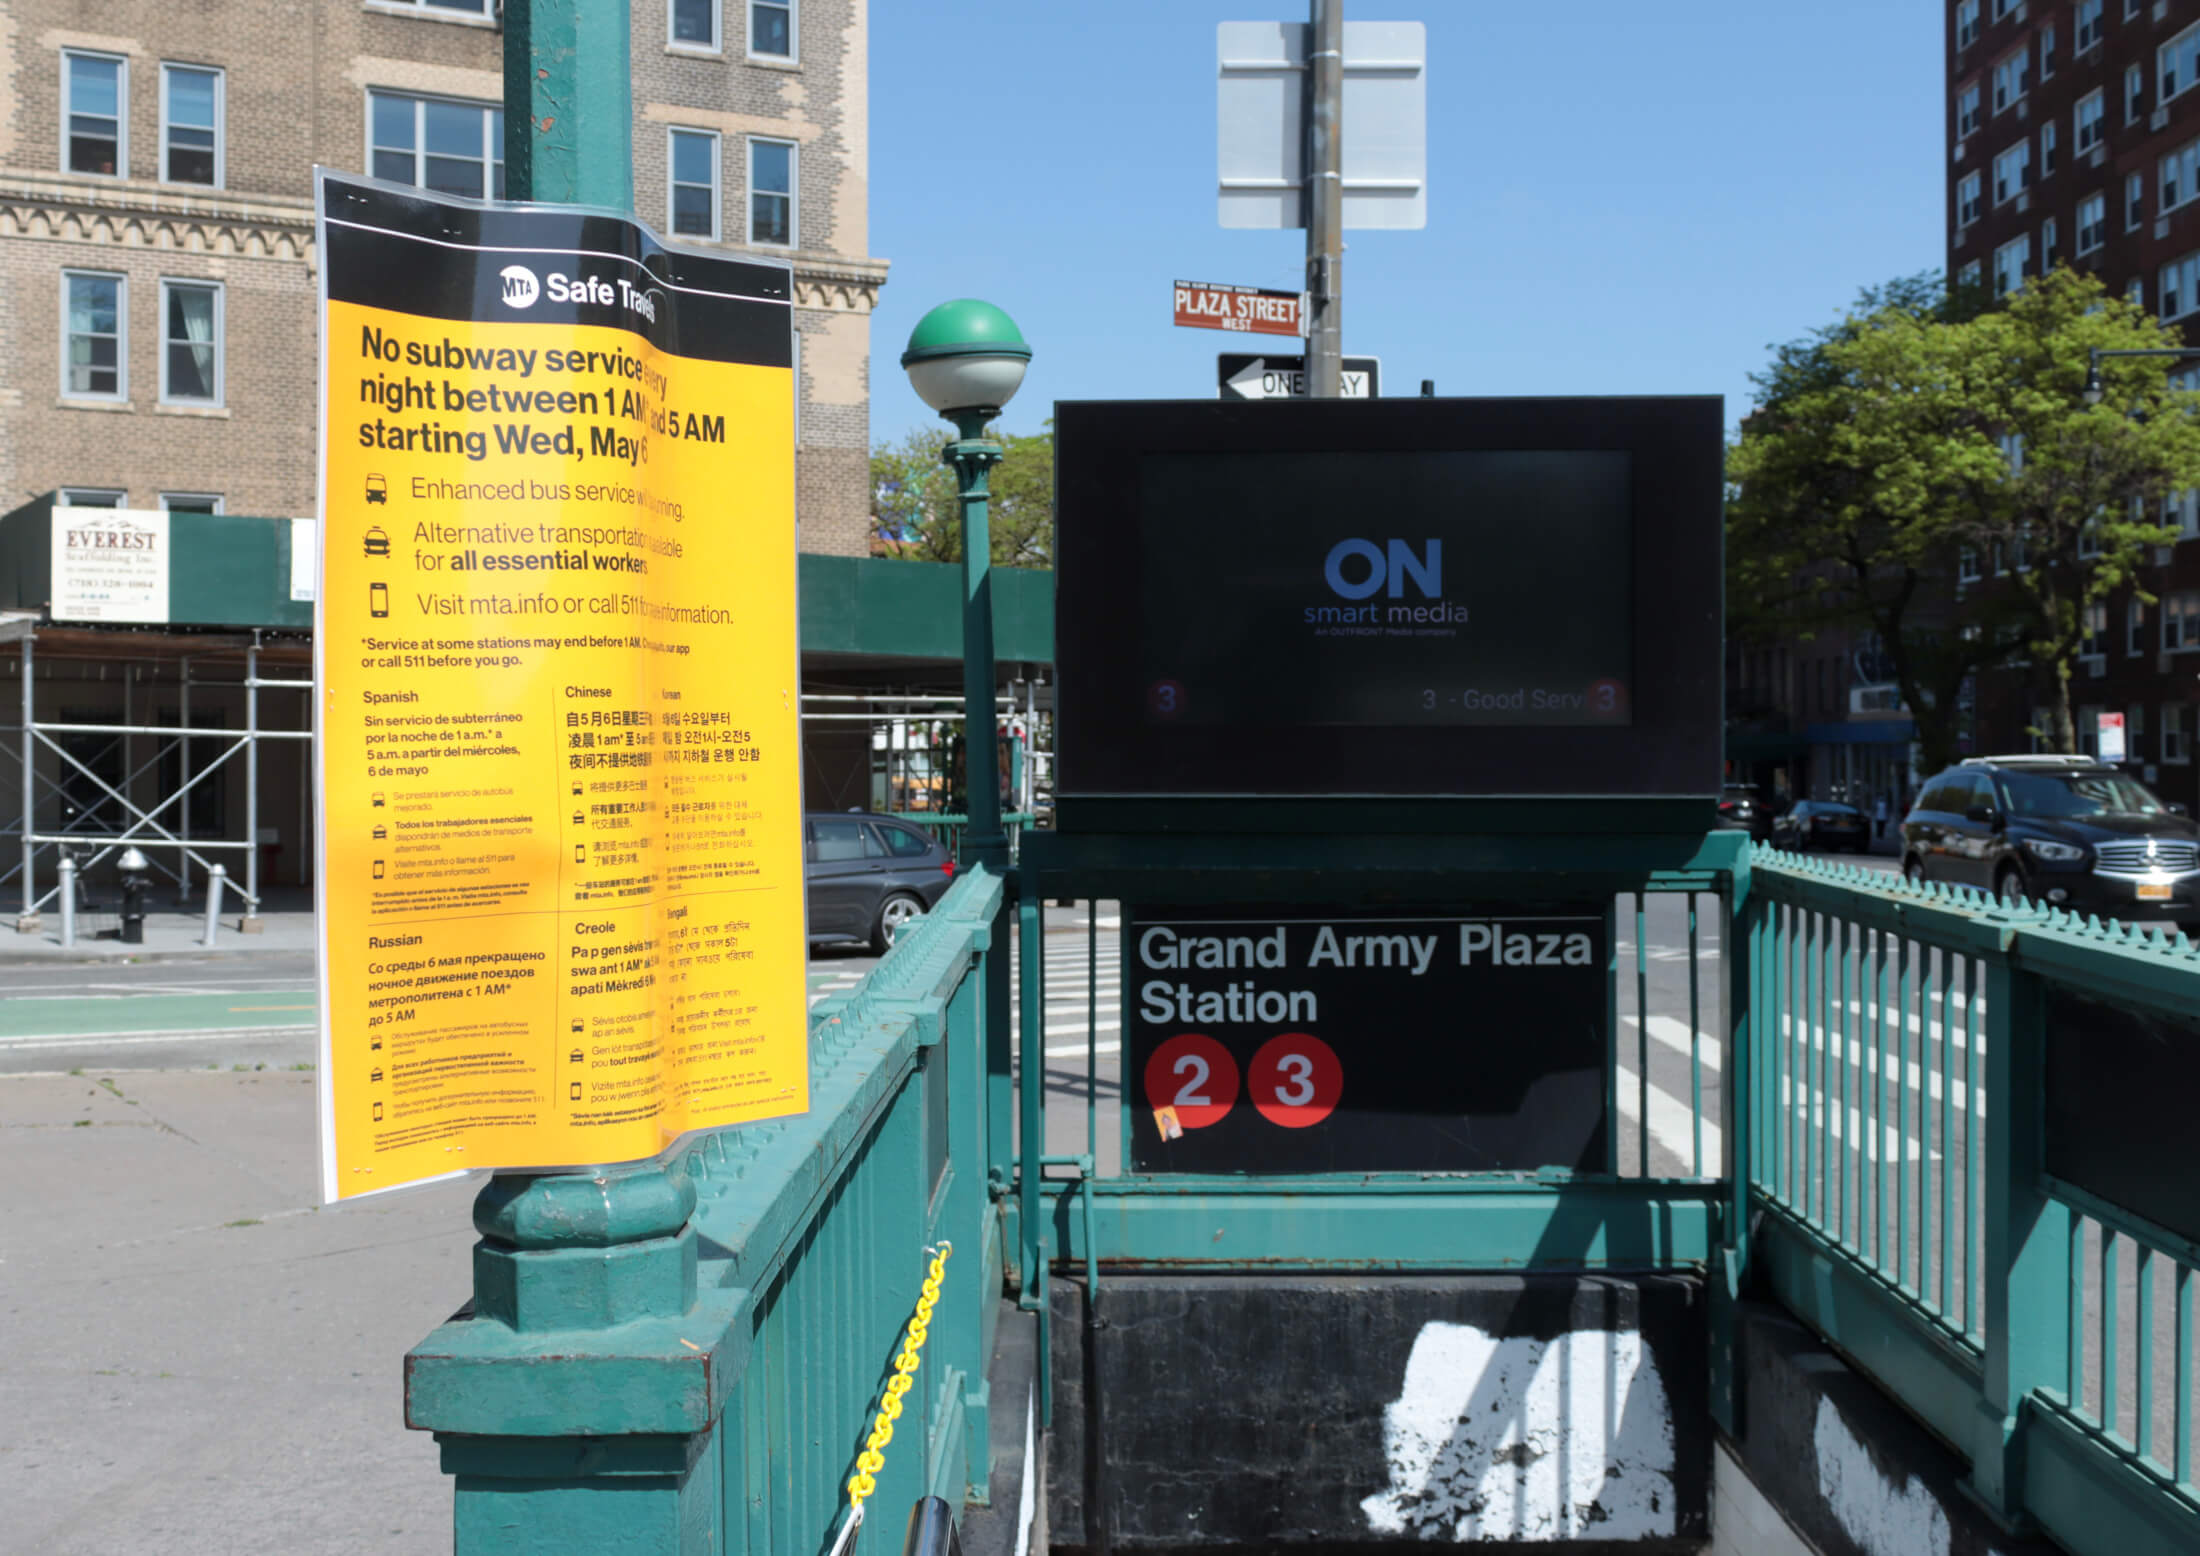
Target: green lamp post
(966, 360)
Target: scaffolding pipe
(183, 812)
(28, 922)
(252, 776)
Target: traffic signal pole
(1325, 200)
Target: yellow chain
(873, 1459)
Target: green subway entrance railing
(729, 1416)
(948, 827)
(1920, 1058)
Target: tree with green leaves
(1889, 445)
(916, 516)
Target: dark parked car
(869, 875)
(1826, 824)
(1742, 809)
(2061, 830)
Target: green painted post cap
(965, 327)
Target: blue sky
(1623, 199)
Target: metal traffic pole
(1325, 201)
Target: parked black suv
(2063, 830)
(1743, 809)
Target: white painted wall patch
(1508, 1438)
(1882, 1519)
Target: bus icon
(378, 490)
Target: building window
(1967, 113)
(2047, 148)
(2181, 621)
(2047, 51)
(190, 502)
(1967, 191)
(2047, 245)
(90, 496)
(2135, 199)
(2180, 278)
(2009, 77)
(1972, 273)
(2174, 748)
(94, 325)
(2135, 627)
(1967, 565)
(190, 125)
(693, 158)
(772, 29)
(451, 147)
(2177, 62)
(2004, 7)
(2180, 176)
(2009, 262)
(2181, 512)
(1966, 23)
(2085, 25)
(2089, 544)
(191, 342)
(2092, 222)
(692, 24)
(2135, 292)
(94, 126)
(771, 193)
(2135, 94)
(2010, 169)
(2087, 120)
(2096, 631)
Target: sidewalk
(194, 1357)
(287, 923)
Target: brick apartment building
(2074, 138)
(157, 274)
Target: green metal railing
(949, 827)
(729, 1419)
(1899, 1047)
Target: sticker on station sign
(1208, 305)
(1473, 1041)
(560, 829)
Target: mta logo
(520, 286)
(1388, 566)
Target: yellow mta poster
(560, 846)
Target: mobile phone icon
(378, 599)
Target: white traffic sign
(1242, 377)
(1261, 124)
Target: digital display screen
(1415, 588)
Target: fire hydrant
(135, 870)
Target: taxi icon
(378, 490)
(378, 541)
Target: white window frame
(168, 500)
(122, 337)
(2181, 607)
(717, 184)
(122, 112)
(66, 497)
(2098, 227)
(793, 56)
(1966, 23)
(794, 191)
(2095, 643)
(1968, 196)
(1967, 111)
(2048, 235)
(2004, 7)
(2135, 200)
(2135, 94)
(2020, 247)
(488, 111)
(2135, 629)
(1967, 565)
(168, 285)
(2009, 75)
(2082, 14)
(2047, 51)
(2018, 156)
(2080, 123)
(679, 45)
(2049, 145)
(2179, 279)
(1972, 273)
(2181, 512)
(221, 120)
(2178, 181)
(2135, 291)
(2165, 65)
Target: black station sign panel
(2119, 1108)
(1404, 597)
(1287, 1041)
